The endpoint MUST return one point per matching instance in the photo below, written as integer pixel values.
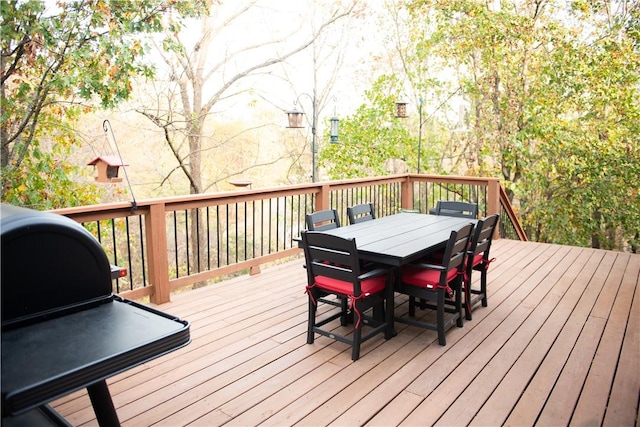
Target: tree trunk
(595, 235)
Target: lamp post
(295, 122)
(401, 112)
(420, 134)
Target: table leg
(103, 405)
(392, 293)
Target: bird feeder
(108, 168)
(334, 129)
(401, 110)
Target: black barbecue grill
(62, 328)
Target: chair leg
(389, 314)
(379, 311)
(483, 286)
(467, 300)
(440, 318)
(311, 322)
(458, 302)
(355, 346)
(344, 319)
(412, 307)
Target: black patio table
(399, 239)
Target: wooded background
(543, 94)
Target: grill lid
(48, 263)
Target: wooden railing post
(493, 196)
(493, 201)
(407, 193)
(323, 199)
(156, 239)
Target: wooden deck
(559, 344)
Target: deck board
(619, 412)
(593, 398)
(558, 344)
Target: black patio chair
(433, 284)
(326, 220)
(361, 213)
(333, 267)
(478, 259)
(323, 220)
(459, 209)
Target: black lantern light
(295, 118)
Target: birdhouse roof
(109, 160)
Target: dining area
(359, 268)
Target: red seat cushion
(425, 278)
(477, 259)
(369, 286)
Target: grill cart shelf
(62, 328)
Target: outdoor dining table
(400, 239)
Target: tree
(57, 62)
(371, 138)
(552, 88)
(209, 71)
(587, 133)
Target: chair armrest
(428, 266)
(373, 273)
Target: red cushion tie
(489, 261)
(465, 276)
(447, 289)
(353, 306)
(352, 301)
(467, 282)
(308, 291)
(368, 287)
(467, 279)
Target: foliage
(210, 68)
(369, 138)
(45, 179)
(57, 61)
(585, 132)
(553, 89)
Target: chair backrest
(456, 250)
(361, 213)
(331, 256)
(459, 209)
(483, 236)
(323, 220)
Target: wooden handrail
(506, 204)
(154, 214)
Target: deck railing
(171, 243)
